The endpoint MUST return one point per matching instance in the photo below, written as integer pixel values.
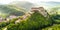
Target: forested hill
(6, 10)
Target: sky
(32, 1)
(38, 2)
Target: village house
(25, 16)
(11, 17)
(2, 19)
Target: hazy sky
(32, 1)
(44, 3)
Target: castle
(41, 10)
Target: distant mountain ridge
(6, 10)
(24, 4)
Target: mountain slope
(6, 10)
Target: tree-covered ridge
(34, 22)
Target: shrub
(12, 26)
(56, 19)
(3, 24)
(54, 27)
